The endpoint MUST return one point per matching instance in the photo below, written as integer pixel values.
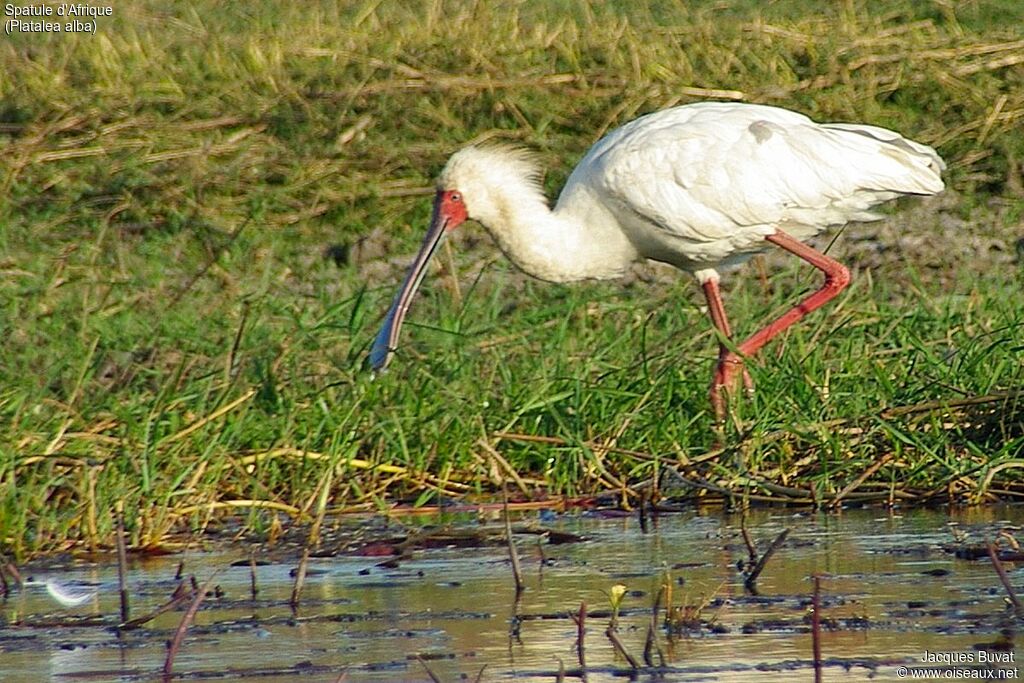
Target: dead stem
(1001, 571)
(620, 648)
(426, 668)
(212, 506)
(747, 540)
(541, 555)
(253, 591)
(816, 628)
(300, 579)
(200, 423)
(751, 581)
(580, 618)
(513, 555)
(180, 595)
(313, 540)
(504, 465)
(122, 563)
(186, 621)
(651, 642)
(861, 478)
(231, 361)
(558, 441)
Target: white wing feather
(740, 172)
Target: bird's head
(485, 179)
(474, 184)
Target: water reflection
(890, 595)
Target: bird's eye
(455, 197)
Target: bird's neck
(579, 240)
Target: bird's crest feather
(492, 157)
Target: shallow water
(890, 594)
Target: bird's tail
(922, 159)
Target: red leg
(718, 318)
(837, 277)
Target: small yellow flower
(615, 596)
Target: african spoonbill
(701, 187)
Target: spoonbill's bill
(701, 187)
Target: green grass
(168, 189)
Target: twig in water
(751, 548)
(581, 619)
(651, 643)
(312, 540)
(430, 673)
(751, 581)
(122, 563)
(515, 622)
(300, 579)
(480, 674)
(620, 648)
(816, 628)
(642, 511)
(513, 556)
(252, 575)
(1001, 571)
(543, 557)
(179, 596)
(186, 621)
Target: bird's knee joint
(839, 277)
(730, 360)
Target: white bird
(701, 187)
(64, 594)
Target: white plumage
(697, 186)
(701, 187)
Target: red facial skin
(450, 208)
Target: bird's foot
(726, 381)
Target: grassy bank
(204, 212)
